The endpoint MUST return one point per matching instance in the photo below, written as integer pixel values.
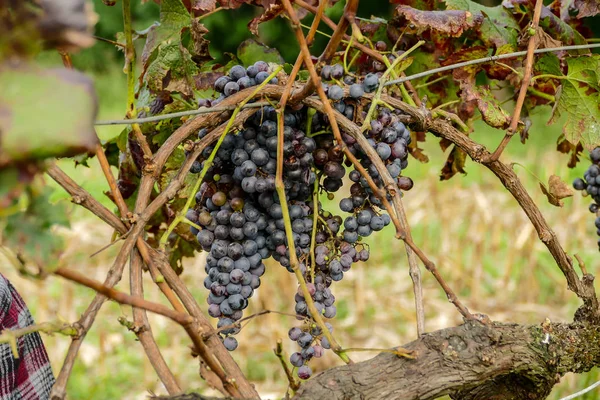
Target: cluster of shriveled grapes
(241, 217)
(590, 185)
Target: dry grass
(481, 241)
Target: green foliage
(45, 114)
(579, 101)
(251, 51)
(498, 27)
(29, 232)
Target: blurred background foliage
(480, 239)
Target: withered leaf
(449, 22)
(556, 190)
(491, 111)
(271, 11)
(586, 8)
(455, 163)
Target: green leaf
(175, 61)
(251, 51)
(548, 64)
(173, 18)
(30, 233)
(559, 29)
(579, 102)
(491, 111)
(172, 167)
(45, 113)
(498, 27)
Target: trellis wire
(205, 110)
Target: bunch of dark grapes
(590, 185)
(240, 213)
(389, 138)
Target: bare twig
(10, 336)
(186, 321)
(413, 267)
(533, 42)
(143, 329)
(201, 324)
(583, 288)
(129, 68)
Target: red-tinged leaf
(199, 44)
(445, 144)
(420, 4)
(585, 8)
(467, 54)
(498, 71)
(204, 5)
(272, 10)
(417, 153)
(498, 27)
(449, 22)
(566, 147)
(455, 163)
(206, 80)
(491, 111)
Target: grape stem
(129, 70)
(516, 117)
(392, 188)
(208, 163)
(279, 353)
(313, 236)
(279, 186)
(390, 70)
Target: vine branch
(516, 117)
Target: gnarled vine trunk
(472, 361)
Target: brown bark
(472, 361)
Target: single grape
(357, 91)
(579, 184)
(370, 83)
(337, 71)
(296, 360)
(335, 92)
(231, 88)
(221, 82)
(295, 333)
(304, 372)
(230, 343)
(236, 72)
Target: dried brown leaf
(546, 41)
(556, 190)
(586, 8)
(272, 10)
(449, 22)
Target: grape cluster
(239, 220)
(590, 185)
